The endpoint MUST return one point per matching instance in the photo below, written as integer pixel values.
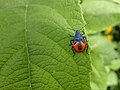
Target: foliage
(34, 46)
(100, 14)
(98, 74)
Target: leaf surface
(98, 74)
(34, 46)
(100, 14)
(104, 47)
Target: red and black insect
(78, 43)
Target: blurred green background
(103, 29)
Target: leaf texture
(34, 46)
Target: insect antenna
(83, 26)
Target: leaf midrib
(26, 44)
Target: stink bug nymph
(78, 43)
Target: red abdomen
(79, 46)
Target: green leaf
(116, 1)
(34, 46)
(98, 74)
(116, 87)
(115, 64)
(104, 47)
(112, 79)
(100, 14)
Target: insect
(78, 43)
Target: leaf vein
(26, 44)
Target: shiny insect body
(78, 42)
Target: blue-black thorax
(78, 37)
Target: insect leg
(83, 33)
(71, 42)
(87, 48)
(85, 38)
(73, 51)
(70, 35)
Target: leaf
(98, 74)
(117, 87)
(115, 64)
(34, 46)
(112, 79)
(100, 14)
(116, 1)
(105, 48)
